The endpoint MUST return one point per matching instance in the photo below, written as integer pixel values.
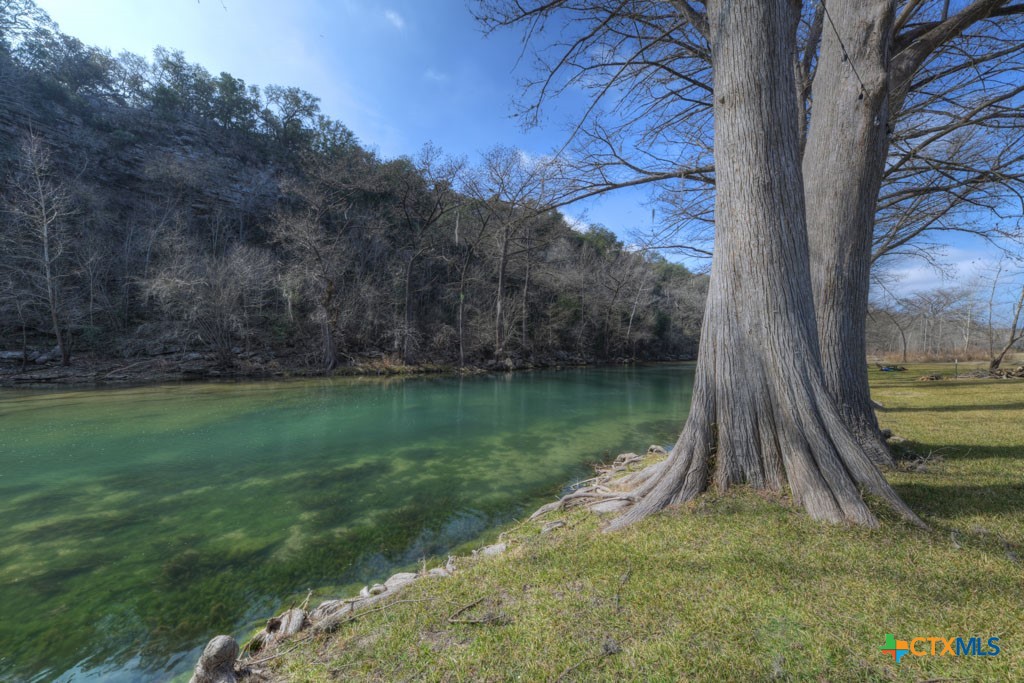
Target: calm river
(137, 523)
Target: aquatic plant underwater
(139, 522)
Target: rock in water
(217, 663)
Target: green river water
(137, 523)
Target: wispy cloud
(395, 18)
(955, 266)
(577, 224)
(432, 74)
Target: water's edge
(89, 371)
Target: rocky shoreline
(223, 661)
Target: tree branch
(697, 19)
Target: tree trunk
(842, 166)
(24, 335)
(583, 324)
(991, 312)
(1014, 337)
(760, 401)
(499, 312)
(526, 298)
(462, 318)
(52, 294)
(463, 272)
(632, 313)
(406, 331)
(327, 328)
(967, 328)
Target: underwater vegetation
(137, 523)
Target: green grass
(739, 587)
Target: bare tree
(424, 193)
(218, 301)
(760, 401)
(1014, 331)
(895, 319)
(13, 304)
(937, 323)
(876, 71)
(314, 240)
(511, 187)
(37, 238)
(317, 258)
(368, 257)
(467, 238)
(866, 72)
(1014, 334)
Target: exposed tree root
(822, 462)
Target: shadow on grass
(955, 408)
(911, 450)
(955, 500)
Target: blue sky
(399, 74)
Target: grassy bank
(738, 587)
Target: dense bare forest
(153, 210)
(978, 320)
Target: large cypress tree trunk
(760, 403)
(843, 163)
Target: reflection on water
(137, 523)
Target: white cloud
(432, 74)
(534, 160)
(577, 224)
(957, 267)
(395, 18)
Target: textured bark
(526, 297)
(406, 333)
(52, 298)
(499, 305)
(328, 325)
(462, 318)
(1015, 336)
(843, 163)
(760, 403)
(862, 79)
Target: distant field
(739, 587)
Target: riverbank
(740, 586)
(91, 370)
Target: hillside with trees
(155, 213)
